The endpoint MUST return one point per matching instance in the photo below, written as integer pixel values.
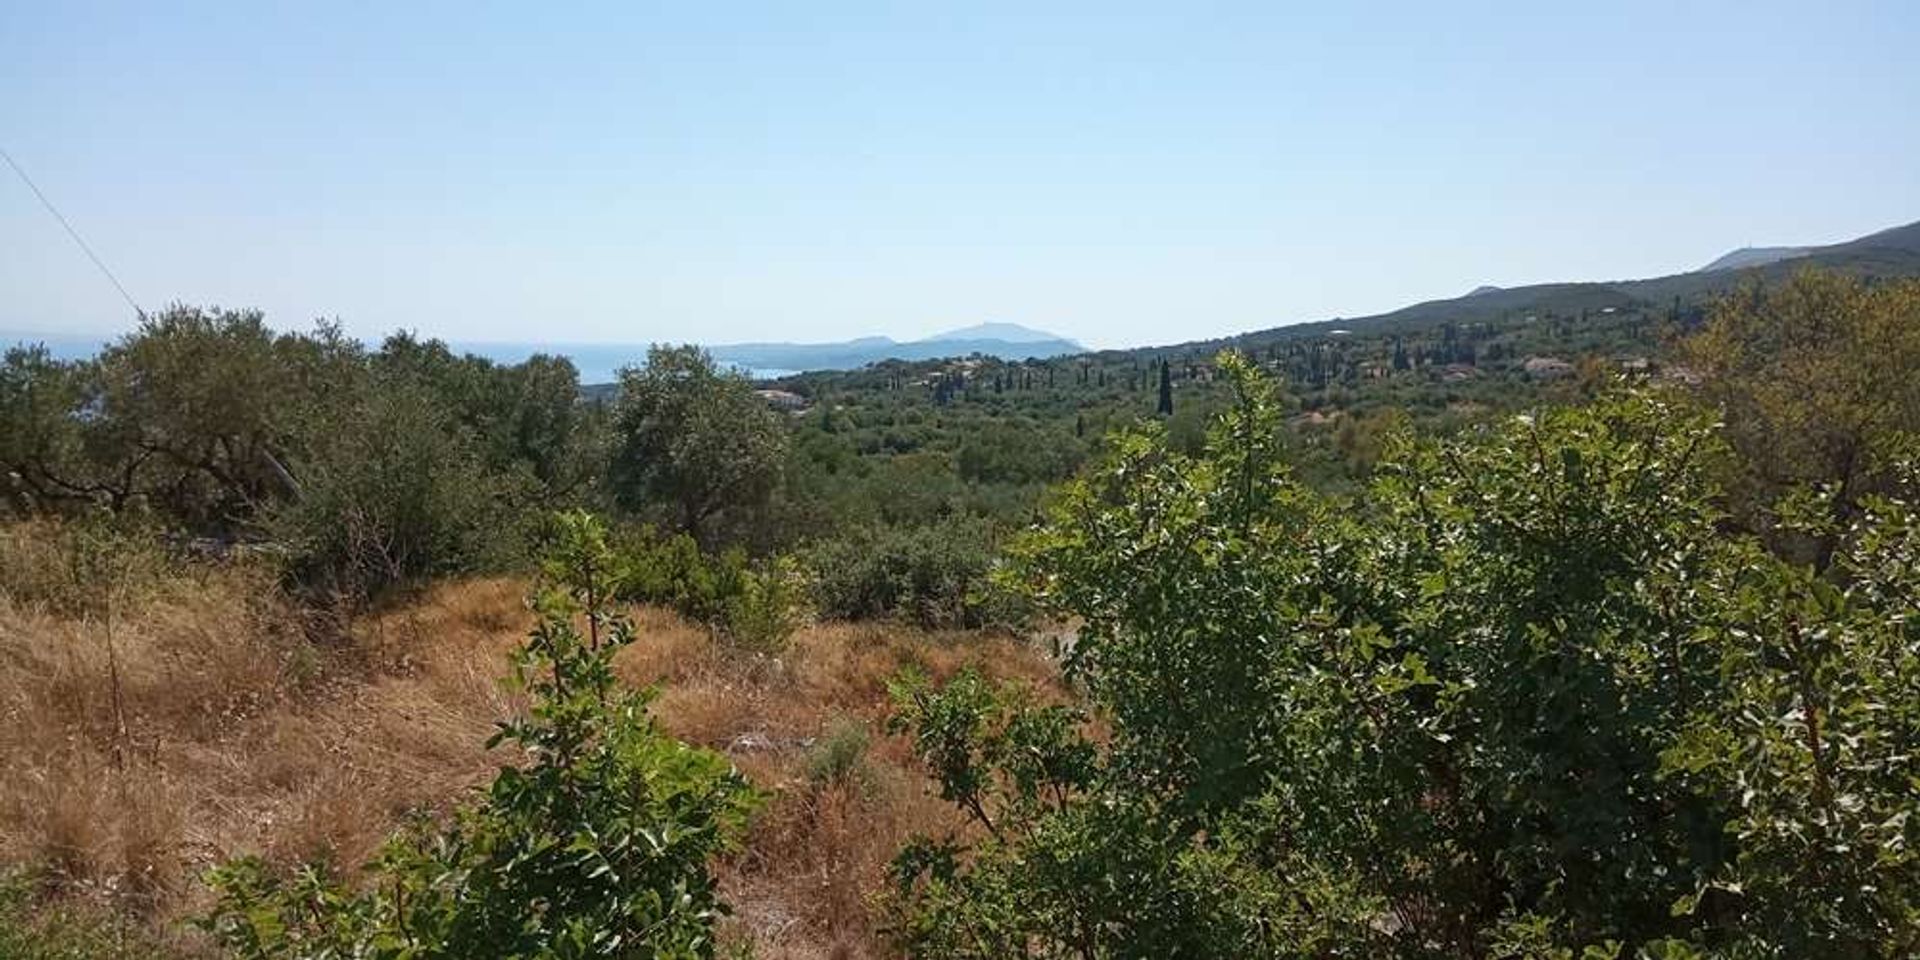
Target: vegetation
(598, 846)
(694, 441)
(1572, 626)
(1816, 381)
(1523, 697)
(63, 931)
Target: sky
(1120, 174)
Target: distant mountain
(1754, 257)
(1482, 290)
(1008, 341)
(1009, 332)
(1889, 253)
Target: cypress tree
(1166, 391)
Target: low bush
(35, 929)
(839, 756)
(399, 491)
(672, 571)
(757, 605)
(600, 845)
(769, 607)
(78, 565)
(933, 575)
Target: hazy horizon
(1118, 176)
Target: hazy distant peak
(1755, 257)
(1004, 332)
(1483, 290)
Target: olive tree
(692, 441)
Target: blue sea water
(61, 346)
(597, 362)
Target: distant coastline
(598, 363)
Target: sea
(597, 362)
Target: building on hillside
(1684, 376)
(1547, 368)
(783, 400)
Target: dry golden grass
(245, 735)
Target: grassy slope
(244, 738)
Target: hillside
(1754, 257)
(1634, 303)
(1889, 253)
(247, 739)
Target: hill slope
(1754, 257)
(1889, 253)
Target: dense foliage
(1523, 697)
(366, 468)
(1816, 381)
(694, 442)
(935, 574)
(598, 846)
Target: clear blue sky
(1117, 173)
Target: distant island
(1007, 341)
(601, 362)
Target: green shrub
(934, 575)
(672, 571)
(769, 607)
(839, 756)
(756, 605)
(1523, 696)
(32, 928)
(599, 845)
(398, 491)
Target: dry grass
(244, 735)
(804, 885)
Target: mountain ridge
(1754, 257)
(1893, 252)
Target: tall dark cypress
(1166, 390)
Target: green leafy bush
(1523, 697)
(673, 572)
(599, 846)
(755, 604)
(769, 607)
(399, 490)
(933, 575)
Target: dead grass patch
(245, 736)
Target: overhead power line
(75, 234)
